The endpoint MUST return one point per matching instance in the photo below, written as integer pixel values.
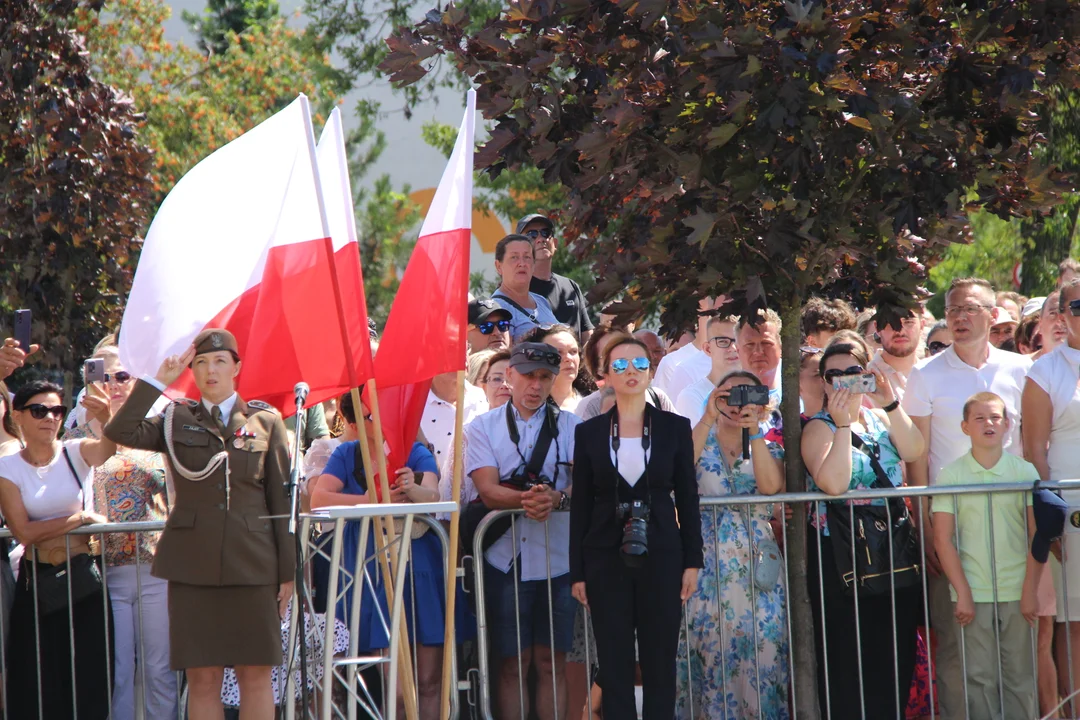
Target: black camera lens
(635, 539)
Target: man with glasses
(683, 367)
(489, 326)
(723, 355)
(563, 294)
(934, 398)
(498, 452)
(898, 353)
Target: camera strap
(616, 441)
(549, 431)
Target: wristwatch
(564, 501)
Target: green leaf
(718, 137)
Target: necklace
(34, 463)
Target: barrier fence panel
(877, 644)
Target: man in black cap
(489, 326)
(563, 294)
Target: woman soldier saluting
(229, 568)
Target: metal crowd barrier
(800, 502)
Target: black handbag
(81, 572)
(867, 565)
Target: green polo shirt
(973, 520)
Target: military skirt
(212, 626)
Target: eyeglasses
(621, 365)
(722, 342)
(497, 379)
(937, 346)
(39, 411)
(120, 378)
(831, 375)
(486, 328)
(552, 358)
(543, 232)
(969, 310)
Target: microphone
(300, 392)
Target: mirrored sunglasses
(620, 365)
(543, 232)
(486, 328)
(39, 411)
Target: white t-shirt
(939, 388)
(52, 491)
(666, 368)
(691, 401)
(695, 366)
(1058, 374)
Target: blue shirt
(523, 322)
(342, 465)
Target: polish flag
(244, 241)
(425, 332)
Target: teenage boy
(991, 542)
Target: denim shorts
(532, 611)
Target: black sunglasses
(937, 346)
(553, 359)
(123, 377)
(544, 233)
(486, 328)
(831, 375)
(39, 411)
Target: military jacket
(217, 533)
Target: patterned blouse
(129, 487)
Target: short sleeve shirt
(523, 322)
(566, 300)
(52, 491)
(342, 465)
(939, 387)
(1010, 536)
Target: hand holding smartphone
(23, 320)
(94, 370)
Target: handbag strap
(532, 315)
(881, 479)
(71, 466)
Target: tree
(74, 182)
(223, 18)
(763, 150)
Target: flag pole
(387, 536)
(449, 683)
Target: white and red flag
(246, 241)
(425, 332)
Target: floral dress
(728, 677)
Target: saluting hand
(96, 402)
(173, 366)
(284, 597)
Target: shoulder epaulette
(187, 401)
(260, 405)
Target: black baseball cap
(523, 222)
(1050, 511)
(527, 357)
(483, 308)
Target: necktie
(216, 414)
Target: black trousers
(884, 683)
(644, 600)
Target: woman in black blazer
(627, 463)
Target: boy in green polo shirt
(981, 558)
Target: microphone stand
(293, 489)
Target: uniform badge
(260, 405)
(195, 428)
(238, 443)
(216, 341)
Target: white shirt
(939, 388)
(226, 406)
(52, 491)
(631, 458)
(440, 417)
(691, 401)
(668, 364)
(693, 367)
(488, 444)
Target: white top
(668, 364)
(691, 401)
(52, 491)
(226, 406)
(939, 388)
(440, 416)
(694, 366)
(488, 444)
(1058, 373)
(632, 458)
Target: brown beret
(215, 339)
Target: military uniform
(224, 559)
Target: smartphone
(22, 329)
(865, 383)
(94, 370)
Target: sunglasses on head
(486, 328)
(620, 365)
(543, 232)
(39, 411)
(554, 359)
(831, 375)
(937, 346)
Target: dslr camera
(743, 395)
(522, 479)
(635, 538)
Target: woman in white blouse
(46, 490)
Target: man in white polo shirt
(685, 366)
(724, 355)
(934, 399)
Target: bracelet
(891, 406)
(759, 436)
(848, 426)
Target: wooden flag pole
(449, 683)
(408, 689)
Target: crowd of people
(631, 435)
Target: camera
(522, 479)
(635, 538)
(742, 395)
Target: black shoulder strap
(881, 480)
(548, 432)
(654, 395)
(358, 468)
(71, 466)
(523, 311)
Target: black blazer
(593, 522)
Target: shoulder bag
(80, 574)
(872, 555)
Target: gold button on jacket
(211, 539)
